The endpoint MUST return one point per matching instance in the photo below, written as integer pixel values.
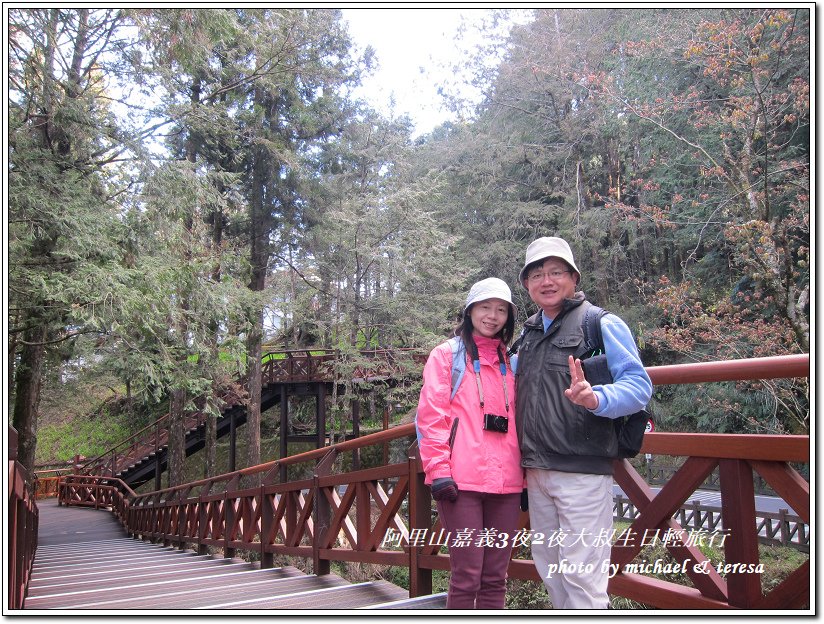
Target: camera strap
(476, 365)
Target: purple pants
(478, 577)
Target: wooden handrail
(354, 515)
(793, 448)
(775, 367)
(379, 437)
(151, 431)
(23, 518)
(123, 443)
(199, 522)
(85, 479)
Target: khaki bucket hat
(548, 247)
(490, 288)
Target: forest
(188, 188)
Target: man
(565, 428)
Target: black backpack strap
(591, 326)
(532, 320)
(516, 345)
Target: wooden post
(785, 527)
(741, 546)
(229, 515)
(420, 517)
(284, 431)
(385, 427)
(363, 517)
(320, 415)
(323, 513)
(386, 412)
(290, 513)
(355, 432)
(157, 456)
(232, 441)
(202, 522)
(267, 518)
(164, 519)
(182, 519)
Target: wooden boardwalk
(86, 561)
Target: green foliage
(64, 234)
(400, 576)
(526, 595)
(670, 147)
(60, 442)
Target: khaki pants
(573, 513)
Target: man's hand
(580, 392)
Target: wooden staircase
(85, 561)
(136, 459)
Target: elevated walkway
(306, 373)
(86, 561)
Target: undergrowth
(61, 441)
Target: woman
(469, 447)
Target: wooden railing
(107, 493)
(780, 528)
(45, 482)
(384, 515)
(287, 366)
(22, 526)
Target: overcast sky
(413, 47)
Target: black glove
(524, 500)
(444, 489)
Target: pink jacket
(479, 461)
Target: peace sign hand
(580, 392)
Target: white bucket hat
(548, 247)
(490, 288)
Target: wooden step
(431, 601)
(92, 565)
(342, 596)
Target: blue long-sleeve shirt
(631, 388)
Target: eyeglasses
(537, 278)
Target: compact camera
(493, 422)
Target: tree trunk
(27, 393)
(12, 355)
(217, 221)
(129, 400)
(177, 437)
(259, 260)
(253, 351)
(210, 450)
(28, 373)
(261, 225)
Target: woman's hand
(580, 392)
(444, 489)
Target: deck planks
(85, 561)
